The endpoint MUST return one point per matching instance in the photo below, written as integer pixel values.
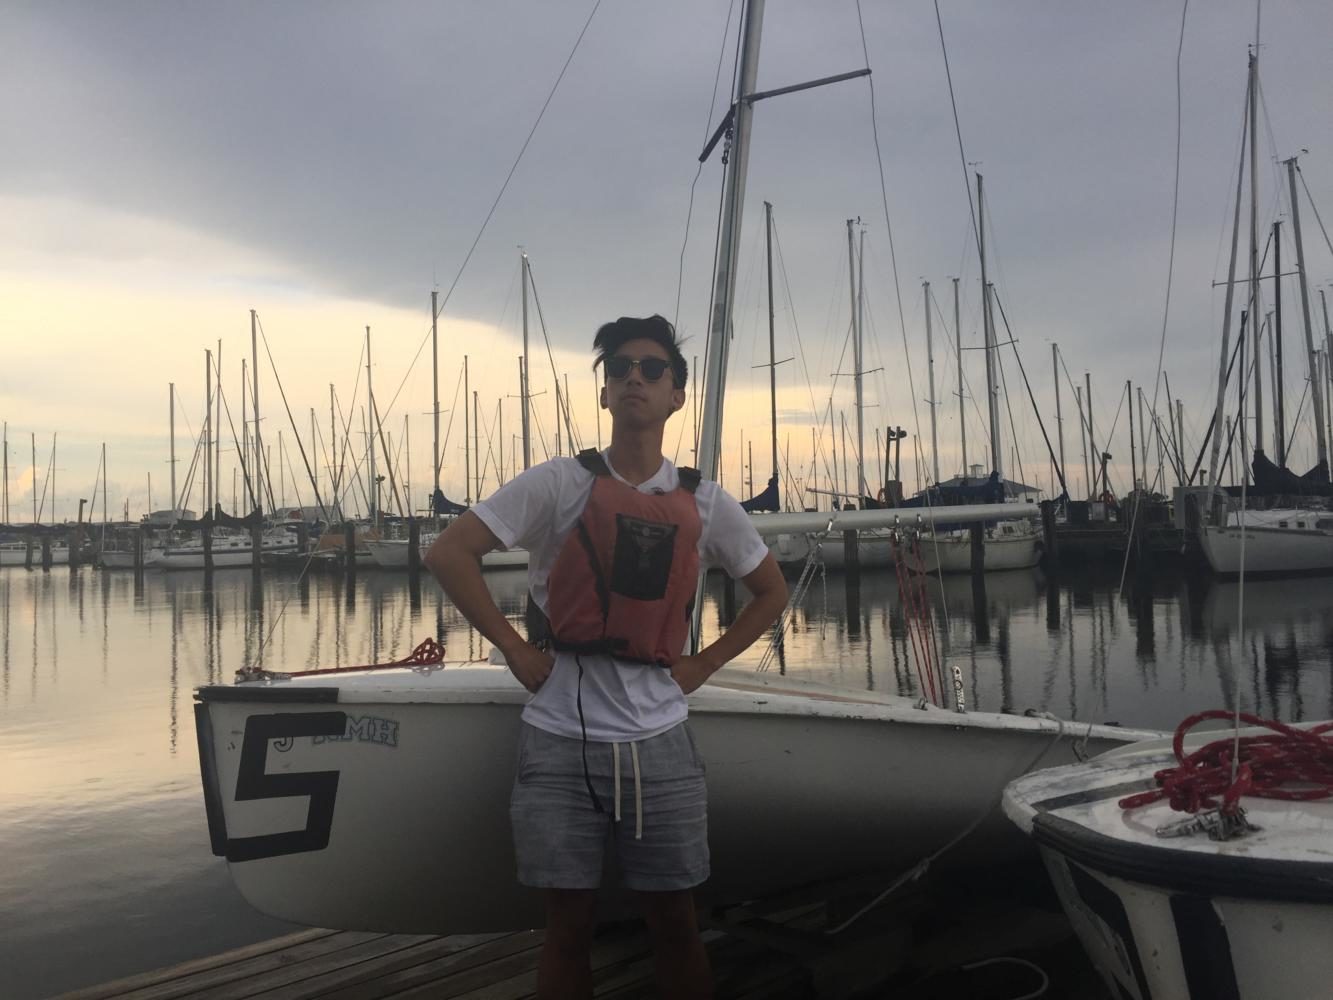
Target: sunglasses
(650, 368)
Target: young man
(615, 543)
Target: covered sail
(1273, 479)
(767, 500)
(441, 504)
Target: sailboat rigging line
(346, 424)
(888, 226)
(496, 203)
(1170, 270)
(292, 420)
(574, 439)
(356, 466)
(453, 408)
(800, 345)
(1300, 408)
(377, 423)
(797, 596)
(295, 482)
(958, 130)
(1315, 208)
(708, 128)
(967, 383)
(1040, 423)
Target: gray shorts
(561, 839)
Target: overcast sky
(170, 166)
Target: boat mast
(772, 355)
(1328, 350)
(1280, 431)
(467, 433)
(724, 276)
(370, 441)
(1059, 418)
(335, 502)
(208, 431)
(862, 487)
(6, 450)
(1316, 390)
(958, 348)
(1215, 472)
(171, 396)
(1254, 260)
(989, 328)
(523, 371)
(217, 430)
(254, 396)
(856, 358)
(435, 393)
(930, 365)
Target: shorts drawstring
(615, 767)
(587, 780)
(638, 793)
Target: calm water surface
(105, 867)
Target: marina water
(106, 865)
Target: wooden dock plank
(344, 962)
(122, 987)
(494, 959)
(341, 981)
(346, 965)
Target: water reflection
(111, 660)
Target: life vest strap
(604, 647)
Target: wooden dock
(351, 965)
(935, 940)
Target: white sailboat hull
(17, 555)
(873, 552)
(805, 785)
(229, 552)
(125, 560)
(1189, 917)
(392, 554)
(1273, 551)
(953, 553)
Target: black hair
(611, 336)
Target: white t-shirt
(622, 701)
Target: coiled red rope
(1288, 763)
(428, 653)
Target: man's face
(635, 400)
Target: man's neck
(636, 455)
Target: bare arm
(769, 590)
(455, 560)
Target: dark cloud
(363, 144)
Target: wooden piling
(349, 547)
(256, 547)
(978, 533)
(1051, 540)
(208, 550)
(74, 540)
(138, 552)
(851, 552)
(27, 552)
(414, 548)
(46, 552)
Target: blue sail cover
(767, 500)
(1271, 479)
(441, 504)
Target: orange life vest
(624, 581)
